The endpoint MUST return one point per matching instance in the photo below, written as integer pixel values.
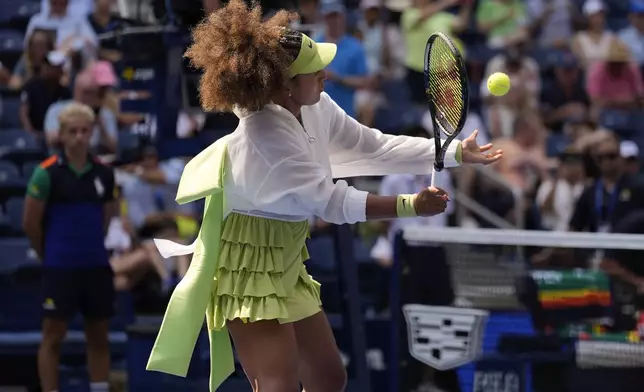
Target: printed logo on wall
(444, 337)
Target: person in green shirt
(418, 23)
(501, 21)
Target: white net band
(550, 239)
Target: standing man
(69, 204)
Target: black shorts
(89, 291)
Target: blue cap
(332, 6)
(637, 6)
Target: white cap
(366, 4)
(592, 7)
(629, 149)
(397, 5)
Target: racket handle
(435, 182)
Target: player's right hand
(431, 201)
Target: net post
(395, 307)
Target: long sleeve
(307, 185)
(357, 150)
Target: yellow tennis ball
(498, 84)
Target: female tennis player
(276, 169)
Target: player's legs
(59, 305)
(267, 351)
(320, 367)
(97, 307)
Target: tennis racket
(446, 89)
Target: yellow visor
(313, 57)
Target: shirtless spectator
(524, 160)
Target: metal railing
(468, 204)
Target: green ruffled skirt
(261, 273)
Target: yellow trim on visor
(313, 57)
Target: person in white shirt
(277, 169)
(72, 30)
(556, 198)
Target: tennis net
(541, 284)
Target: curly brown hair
(242, 60)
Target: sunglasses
(608, 156)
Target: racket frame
(438, 121)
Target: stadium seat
(625, 124)
(11, 47)
(13, 210)
(16, 253)
(28, 168)
(10, 112)
(8, 172)
(16, 138)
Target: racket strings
(444, 84)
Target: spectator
(556, 197)
(309, 22)
(564, 99)
(86, 91)
(419, 22)
(348, 71)
(526, 87)
(630, 153)
(130, 261)
(102, 21)
(68, 207)
(502, 21)
(610, 198)
(616, 82)
(551, 22)
(40, 92)
(633, 35)
(39, 44)
(71, 30)
(594, 42)
(394, 50)
(524, 161)
(147, 209)
(372, 32)
(105, 78)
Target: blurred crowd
(571, 118)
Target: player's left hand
(473, 153)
